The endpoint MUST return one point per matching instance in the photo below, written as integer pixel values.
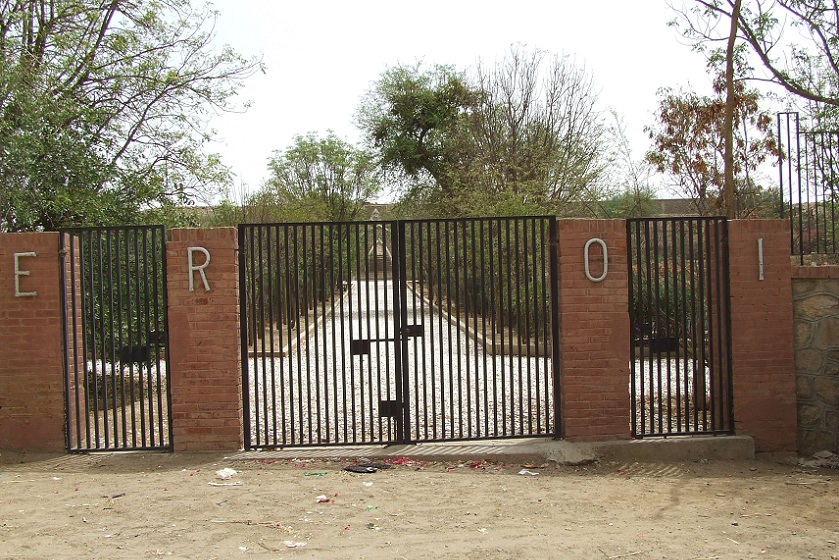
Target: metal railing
(809, 178)
(679, 316)
(115, 338)
(387, 332)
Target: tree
(410, 118)
(103, 107)
(536, 132)
(805, 61)
(688, 145)
(322, 179)
(520, 136)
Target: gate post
(204, 354)
(594, 330)
(763, 368)
(31, 352)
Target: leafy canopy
(103, 108)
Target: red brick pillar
(762, 359)
(594, 331)
(204, 355)
(32, 414)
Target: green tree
(520, 136)
(410, 118)
(103, 108)
(321, 179)
(689, 145)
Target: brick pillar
(204, 355)
(763, 366)
(32, 414)
(594, 332)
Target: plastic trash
(226, 473)
(294, 544)
(527, 472)
(322, 499)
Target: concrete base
(539, 450)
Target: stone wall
(816, 315)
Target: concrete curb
(537, 451)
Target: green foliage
(318, 179)
(521, 136)
(629, 204)
(102, 109)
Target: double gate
(115, 317)
(398, 331)
(679, 314)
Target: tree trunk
(728, 194)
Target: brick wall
(594, 332)
(762, 335)
(204, 354)
(31, 345)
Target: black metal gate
(115, 338)
(679, 315)
(390, 332)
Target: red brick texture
(31, 345)
(594, 332)
(762, 335)
(204, 354)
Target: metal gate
(115, 338)
(390, 332)
(679, 315)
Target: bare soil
(149, 505)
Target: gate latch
(412, 330)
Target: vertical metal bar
(65, 339)
(729, 427)
(484, 313)
(553, 284)
(494, 313)
(346, 284)
(683, 397)
(646, 395)
(163, 322)
(454, 294)
(253, 319)
(358, 394)
(516, 342)
(400, 314)
(243, 336)
(704, 320)
(286, 358)
(668, 317)
(431, 353)
(477, 311)
(270, 264)
(530, 334)
(318, 289)
(634, 302)
(296, 391)
(143, 367)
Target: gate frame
(551, 374)
(66, 319)
(720, 276)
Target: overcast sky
(321, 56)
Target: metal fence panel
(386, 332)
(115, 334)
(809, 182)
(679, 315)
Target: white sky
(321, 56)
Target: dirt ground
(160, 505)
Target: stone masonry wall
(816, 316)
